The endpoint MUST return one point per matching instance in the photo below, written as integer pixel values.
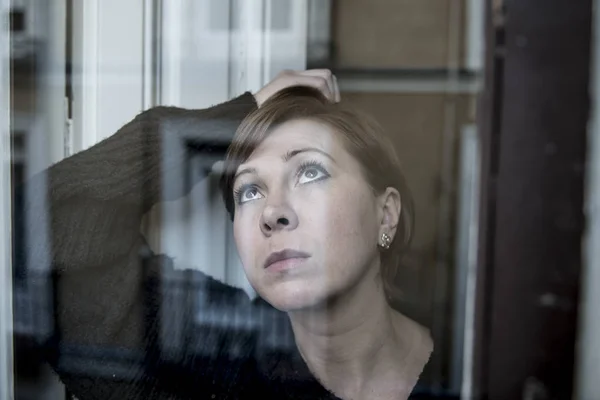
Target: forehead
(297, 134)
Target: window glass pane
(337, 251)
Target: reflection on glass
(132, 276)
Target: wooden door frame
(533, 118)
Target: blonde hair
(362, 137)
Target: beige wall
(416, 124)
(414, 34)
(397, 33)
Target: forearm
(137, 164)
(87, 209)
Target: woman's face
(306, 222)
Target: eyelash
(237, 193)
(311, 164)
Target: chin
(293, 296)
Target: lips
(284, 255)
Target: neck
(346, 341)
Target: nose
(277, 218)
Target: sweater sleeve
(83, 216)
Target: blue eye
(246, 193)
(311, 171)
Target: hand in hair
(321, 79)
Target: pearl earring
(385, 241)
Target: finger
(317, 82)
(331, 89)
(336, 90)
(325, 74)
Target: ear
(390, 206)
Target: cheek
(347, 227)
(245, 240)
(354, 226)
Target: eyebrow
(286, 157)
(290, 154)
(244, 171)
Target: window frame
(166, 70)
(6, 311)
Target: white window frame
(474, 56)
(319, 31)
(6, 312)
(587, 384)
(465, 275)
(105, 40)
(195, 230)
(46, 128)
(254, 51)
(108, 55)
(53, 91)
(255, 55)
(189, 59)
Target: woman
(320, 209)
(314, 222)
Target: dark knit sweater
(126, 324)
